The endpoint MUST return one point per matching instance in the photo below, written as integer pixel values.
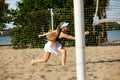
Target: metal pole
(80, 39)
(51, 11)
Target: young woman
(53, 46)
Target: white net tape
(107, 20)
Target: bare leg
(43, 60)
(64, 54)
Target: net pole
(79, 39)
(96, 12)
(51, 11)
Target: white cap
(64, 25)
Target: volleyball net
(107, 18)
(104, 27)
(111, 14)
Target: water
(5, 40)
(113, 35)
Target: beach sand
(102, 63)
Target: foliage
(3, 14)
(33, 17)
(24, 37)
(113, 26)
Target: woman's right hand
(87, 32)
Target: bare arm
(63, 35)
(41, 35)
(45, 34)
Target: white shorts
(52, 48)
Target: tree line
(32, 17)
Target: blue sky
(12, 3)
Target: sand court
(102, 63)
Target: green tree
(3, 14)
(102, 14)
(90, 7)
(33, 17)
